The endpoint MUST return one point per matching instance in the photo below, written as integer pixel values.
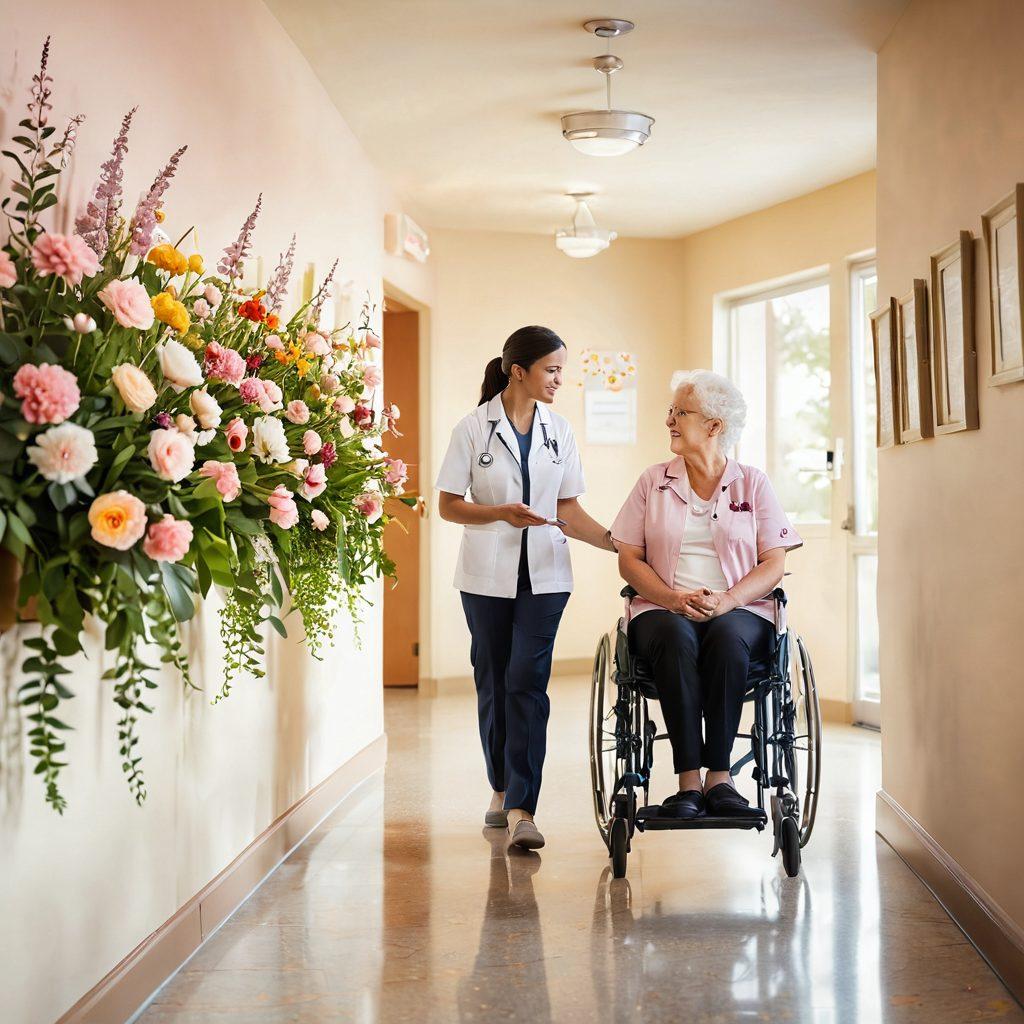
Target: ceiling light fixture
(607, 132)
(584, 238)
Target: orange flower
(281, 357)
(118, 520)
(252, 310)
(273, 320)
(303, 367)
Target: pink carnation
(167, 539)
(297, 412)
(283, 510)
(8, 273)
(251, 390)
(369, 503)
(213, 295)
(343, 404)
(316, 344)
(129, 302)
(311, 442)
(223, 364)
(67, 256)
(372, 377)
(314, 482)
(275, 397)
(397, 472)
(201, 309)
(226, 474)
(49, 394)
(363, 416)
(320, 521)
(171, 454)
(237, 433)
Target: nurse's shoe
(496, 816)
(525, 835)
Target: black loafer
(686, 804)
(724, 801)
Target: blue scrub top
(525, 442)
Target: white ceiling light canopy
(607, 132)
(584, 238)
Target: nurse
(519, 463)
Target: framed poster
(913, 365)
(883, 341)
(609, 396)
(954, 355)
(1003, 227)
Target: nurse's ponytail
(523, 348)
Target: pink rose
(213, 295)
(67, 256)
(129, 302)
(171, 454)
(372, 377)
(237, 434)
(226, 474)
(283, 510)
(328, 383)
(311, 442)
(167, 539)
(274, 343)
(201, 309)
(320, 521)
(316, 344)
(397, 472)
(370, 340)
(370, 505)
(344, 405)
(274, 397)
(223, 364)
(314, 482)
(363, 416)
(49, 394)
(8, 273)
(297, 412)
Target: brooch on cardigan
(742, 507)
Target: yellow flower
(160, 216)
(195, 263)
(170, 311)
(303, 367)
(294, 351)
(166, 257)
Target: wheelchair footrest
(650, 818)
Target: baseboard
(127, 987)
(998, 938)
(840, 711)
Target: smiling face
(690, 431)
(544, 377)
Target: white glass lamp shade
(584, 238)
(607, 132)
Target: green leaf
(181, 597)
(117, 464)
(277, 624)
(62, 495)
(19, 530)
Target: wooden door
(402, 602)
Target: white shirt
(489, 557)
(699, 565)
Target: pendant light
(584, 238)
(607, 132)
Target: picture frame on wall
(1003, 230)
(953, 352)
(883, 341)
(913, 365)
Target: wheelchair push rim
(605, 765)
(805, 758)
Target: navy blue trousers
(511, 653)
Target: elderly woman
(703, 540)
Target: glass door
(862, 521)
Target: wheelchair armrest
(628, 592)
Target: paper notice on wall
(609, 397)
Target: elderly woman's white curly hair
(718, 399)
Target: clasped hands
(703, 604)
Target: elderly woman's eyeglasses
(673, 412)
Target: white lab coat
(489, 557)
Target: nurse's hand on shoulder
(520, 515)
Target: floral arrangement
(611, 370)
(163, 430)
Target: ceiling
(458, 103)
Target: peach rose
(134, 387)
(297, 411)
(311, 442)
(205, 408)
(118, 520)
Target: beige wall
(655, 298)
(950, 92)
(79, 892)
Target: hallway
(397, 908)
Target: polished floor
(400, 907)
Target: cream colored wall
(655, 298)
(82, 891)
(950, 91)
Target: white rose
(179, 366)
(268, 441)
(205, 409)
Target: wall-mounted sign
(404, 237)
(609, 396)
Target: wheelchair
(785, 746)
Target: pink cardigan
(747, 520)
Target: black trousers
(511, 653)
(701, 668)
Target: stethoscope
(486, 459)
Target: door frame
(426, 475)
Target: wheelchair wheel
(804, 760)
(605, 765)
(790, 842)
(618, 846)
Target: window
(863, 299)
(779, 355)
